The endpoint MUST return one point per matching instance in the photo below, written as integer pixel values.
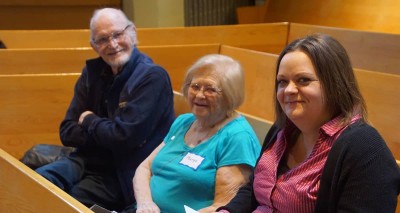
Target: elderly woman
(321, 155)
(207, 154)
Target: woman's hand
(147, 207)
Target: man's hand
(83, 115)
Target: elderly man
(121, 110)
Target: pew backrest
(379, 91)
(367, 50)
(44, 61)
(24, 39)
(259, 72)
(176, 59)
(32, 108)
(267, 37)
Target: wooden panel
(380, 93)
(45, 38)
(23, 190)
(49, 17)
(32, 108)
(176, 59)
(72, 60)
(378, 16)
(259, 69)
(251, 14)
(180, 104)
(48, 14)
(367, 50)
(259, 125)
(34, 61)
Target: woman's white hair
(229, 73)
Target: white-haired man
(121, 110)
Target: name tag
(192, 160)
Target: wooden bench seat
(23, 190)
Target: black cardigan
(360, 175)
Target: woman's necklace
(203, 136)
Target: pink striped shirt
(296, 189)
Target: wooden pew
(25, 39)
(367, 50)
(268, 37)
(174, 58)
(35, 61)
(31, 108)
(23, 190)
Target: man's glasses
(208, 90)
(116, 36)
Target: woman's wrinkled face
(299, 91)
(113, 42)
(205, 95)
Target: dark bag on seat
(42, 154)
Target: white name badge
(192, 160)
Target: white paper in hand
(189, 210)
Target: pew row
(367, 50)
(23, 190)
(259, 68)
(267, 37)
